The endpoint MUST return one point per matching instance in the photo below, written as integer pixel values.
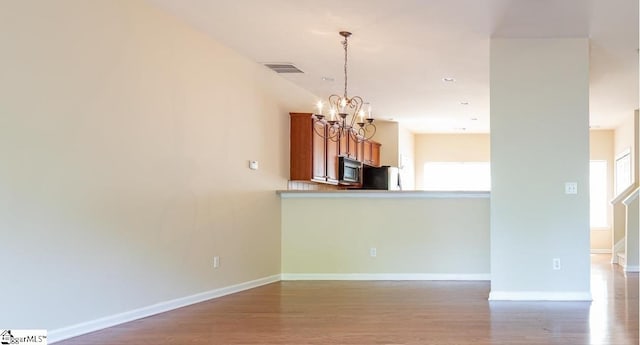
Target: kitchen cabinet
(352, 147)
(360, 151)
(312, 157)
(375, 153)
(371, 153)
(315, 158)
(332, 161)
(349, 147)
(319, 152)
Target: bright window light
(457, 176)
(598, 194)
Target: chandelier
(346, 115)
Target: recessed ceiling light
(464, 103)
(328, 79)
(474, 119)
(448, 79)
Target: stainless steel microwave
(349, 171)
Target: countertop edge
(287, 194)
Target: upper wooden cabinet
(315, 158)
(349, 147)
(319, 150)
(375, 153)
(352, 147)
(332, 161)
(371, 153)
(312, 157)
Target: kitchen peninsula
(387, 235)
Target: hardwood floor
(392, 312)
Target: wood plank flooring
(392, 312)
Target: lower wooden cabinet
(315, 158)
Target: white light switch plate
(571, 188)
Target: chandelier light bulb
(319, 105)
(343, 104)
(332, 114)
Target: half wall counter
(385, 235)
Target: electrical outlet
(571, 188)
(556, 263)
(216, 261)
(373, 252)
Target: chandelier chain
(345, 43)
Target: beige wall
(124, 139)
(397, 150)
(624, 137)
(387, 135)
(449, 148)
(601, 147)
(406, 158)
(411, 235)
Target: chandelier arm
(356, 104)
(315, 128)
(332, 132)
(355, 134)
(334, 102)
(367, 131)
(336, 133)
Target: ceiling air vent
(283, 67)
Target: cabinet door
(332, 160)
(301, 147)
(360, 150)
(366, 152)
(319, 153)
(352, 151)
(343, 149)
(375, 153)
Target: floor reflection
(612, 317)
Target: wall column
(539, 141)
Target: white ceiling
(400, 50)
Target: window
(623, 171)
(599, 204)
(457, 176)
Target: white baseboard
(539, 296)
(113, 320)
(631, 269)
(600, 251)
(385, 276)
